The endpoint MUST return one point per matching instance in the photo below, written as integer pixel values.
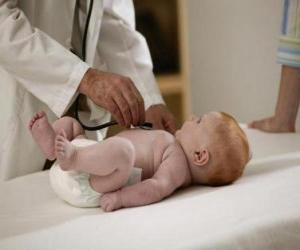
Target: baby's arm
(170, 175)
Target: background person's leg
(287, 106)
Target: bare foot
(43, 133)
(65, 152)
(272, 125)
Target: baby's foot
(65, 152)
(110, 201)
(43, 133)
(272, 125)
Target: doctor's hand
(115, 93)
(161, 118)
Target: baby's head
(216, 147)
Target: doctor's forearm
(39, 63)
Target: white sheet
(260, 211)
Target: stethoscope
(146, 125)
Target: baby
(209, 150)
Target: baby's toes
(59, 143)
(60, 149)
(60, 140)
(62, 134)
(58, 146)
(41, 113)
(60, 154)
(35, 116)
(32, 121)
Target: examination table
(260, 211)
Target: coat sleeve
(40, 64)
(289, 41)
(125, 50)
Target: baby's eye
(198, 120)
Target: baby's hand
(111, 201)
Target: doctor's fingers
(113, 108)
(169, 123)
(136, 105)
(141, 106)
(135, 101)
(124, 108)
(158, 124)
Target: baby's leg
(44, 134)
(109, 162)
(112, 182)
(70, 125)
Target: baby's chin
(177, 134)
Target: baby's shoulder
(174, 151)
(164, 136)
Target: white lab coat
(37, 71)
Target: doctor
(38, 71)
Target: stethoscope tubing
(146, 125)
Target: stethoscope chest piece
(146, 126)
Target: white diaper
(74, 186)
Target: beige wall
(232, 56)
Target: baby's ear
(201, 157)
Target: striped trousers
(289, 41)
